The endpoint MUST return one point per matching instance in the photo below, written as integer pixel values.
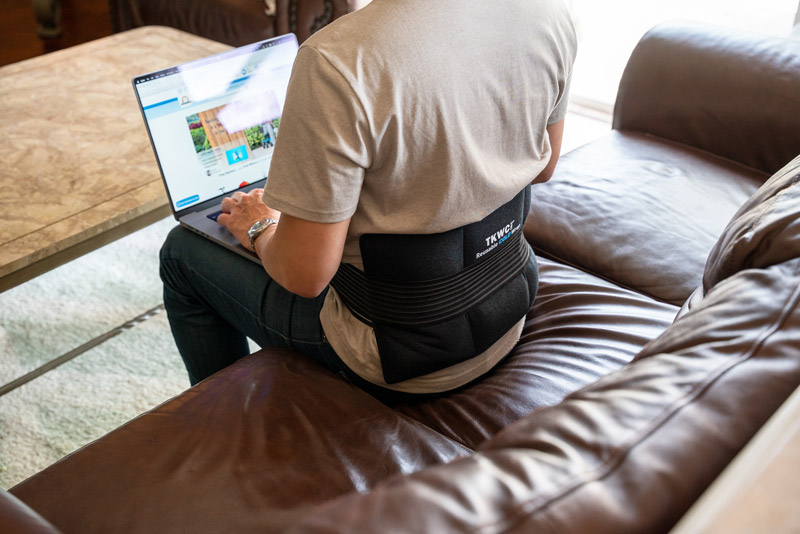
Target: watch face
(256, 227)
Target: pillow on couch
(765, 231)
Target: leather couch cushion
(580, 328)
(247, 450)
(639, 210)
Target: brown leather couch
(665, 333)
(235, 22)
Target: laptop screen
(213, 122)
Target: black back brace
(435, 300)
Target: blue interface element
(237, 155)
(161, 109)
(188, 200)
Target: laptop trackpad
(202, 224)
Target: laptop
(212, 124)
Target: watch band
(257, 229)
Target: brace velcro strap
(414, 303)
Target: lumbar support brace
(435, 300)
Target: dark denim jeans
(215, 299)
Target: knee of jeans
(171, 251)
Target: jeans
(215, 299)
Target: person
(379, 158)
(268, 133)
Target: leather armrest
(17, 517)
(732, 93)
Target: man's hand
(241, 210)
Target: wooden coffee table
(76, 167)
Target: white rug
(83, 399)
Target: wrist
(258, 228)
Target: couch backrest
(691, 83)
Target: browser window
(213, 123)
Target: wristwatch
(257, 229)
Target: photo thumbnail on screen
(240, 131)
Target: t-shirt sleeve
(564, 56)
(322, 145)
(560, 109)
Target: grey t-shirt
(412, 116)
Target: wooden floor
(81, 21)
